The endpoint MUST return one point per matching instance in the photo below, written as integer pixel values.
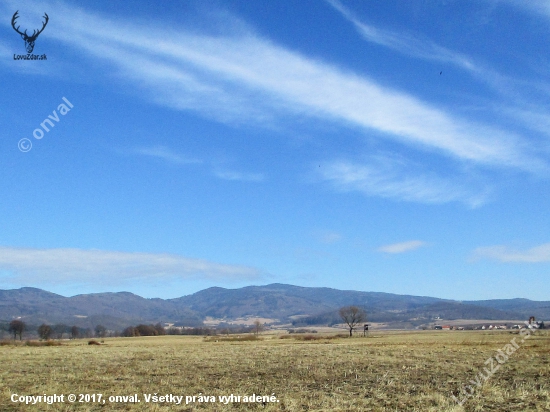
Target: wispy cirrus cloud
(402, 247)
(166, 154)
(540, 7)
(239, 176)
(536, 119)
(5, 50)
(398, 178)
(419, 47)
(242, 77)
(506, 254)
(405, 43)
(78, 266)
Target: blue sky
(388, 146)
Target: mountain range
(281, 303)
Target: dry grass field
(389, 371)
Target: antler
(15, 16)
(34, 34)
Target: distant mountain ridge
(275, 301)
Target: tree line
(18, 327)
(144, 330)
(352, 316)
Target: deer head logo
(29, 40)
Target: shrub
(241, 338)
(301, 331)
(44, 343)
(312, 337)
(8, 342)
(144, 330)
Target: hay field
(400, 371)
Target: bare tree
(352, 316)
(59, 330)
(75, 332)
(130, 332)
(44, 331)
(17, 327)
(258, 327)
(100, 331)
(160, 329)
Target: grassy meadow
(388, 371)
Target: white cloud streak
(5, 51)
(168, 155)
(421, 48)
(539, 7)
(77, 266)
(402, 247)
(242, 78)
(396, 178)
(405, 43)
(505, 254)
(164, 153)
(238, 176)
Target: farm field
(388, 371)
